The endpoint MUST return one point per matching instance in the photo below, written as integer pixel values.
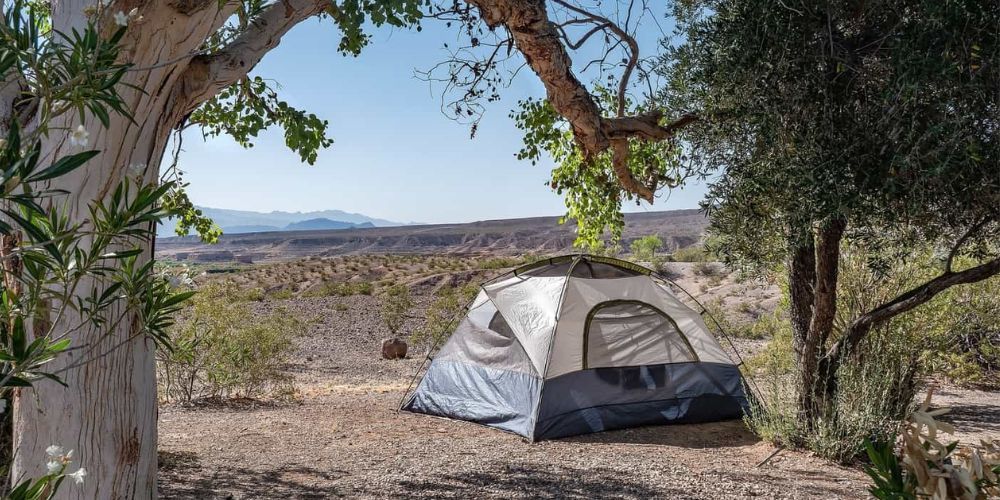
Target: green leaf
(63, 166)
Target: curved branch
(539, 40)
(622, 35)
(208, 74)
(905, 302)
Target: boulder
(393, 349)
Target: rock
(393, 349)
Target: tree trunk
(813, 273)
(108, 412)
(801, 283)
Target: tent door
(620, 333)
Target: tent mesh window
(631, 333)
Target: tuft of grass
(281, 294)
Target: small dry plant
(930, 468)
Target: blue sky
(395, 156)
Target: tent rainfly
(579, 344)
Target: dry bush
(694, 253)
(443, 314)
(221, 349)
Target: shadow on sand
(731, 433)
(181, 476)
(534, 481)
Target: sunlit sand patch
(318, 389)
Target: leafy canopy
(593, 195)
(882, 113)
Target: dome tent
(579, 344)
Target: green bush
(644, 249)
(875, 392)
(396, 303)
(221, 349)
(767, 325)
(443, 314)
(876, 383)
(693, 253)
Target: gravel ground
(344, 439)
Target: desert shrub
(644, 249)
(877, 382)
(443, 314)
(341, 289)
(693, 253)
(709, 269)
(968, 352)
(499, 263)
(283, 293)
(254, 294)
(396, 303)
(876, 390)
(766, 325)
(222, 349)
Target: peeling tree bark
(108, 412)
(538, 39)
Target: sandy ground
(344, 439)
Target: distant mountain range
(539, 235)
(245, 221)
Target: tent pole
(706, 312)
(437, 343)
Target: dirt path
(343, 439)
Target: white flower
(121, 18)
(54, 451)
(137, 169)
(133, 13)
(79, 137)
(78, 475)
(54, 466)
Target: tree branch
(539, 40)
(622, 35)
(208, 74)
(905, 302)
(961, 241)
(825, 292)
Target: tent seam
(552, 341)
